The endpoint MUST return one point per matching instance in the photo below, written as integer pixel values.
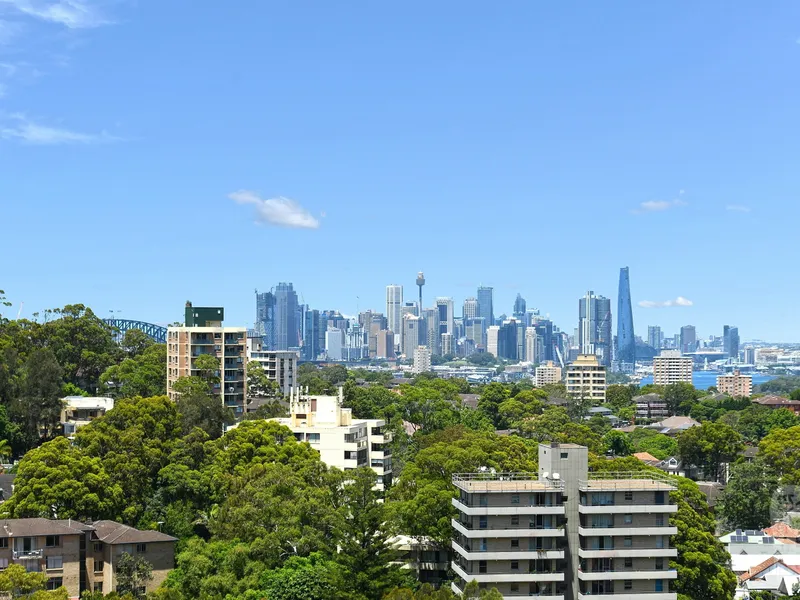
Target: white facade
(411, 334)
(547, 373)
(586, 378)
(470, 309)
(447, 344)
(531, 354)
(78, 411)
(492, 339)
(279, 365)
(394, 309)
(422, 360)
(445, 308)
(342, 441)
(670, 367)
(334, 344)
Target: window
(659, 541)
(54, 583)
(628, 519)
(629, 563)
(629, 496)
(564, 455)
(514, 587)
(514, 498)
(98, 586)
(659, 564)
(3, 563)
(482, 523)
(3, 542)
(628, 541)
(481, 566)
(659, 585)
(54, 562)
(628, 585)
(659, 497)
(52, 541)
(141, 547)
(659, 520)
(515, 544)
(98, 566)
(515, 565)
(483, 544)
(515, 520)
(98, 546)
(484, 499)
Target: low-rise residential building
(78, 411)
(547, 373)
(586, 378)
(82, 556)
(650, 407)
(674, 425)
(735, 385)
(670, 367)
(279, 365)
(775, 402)
(565, 532)
(341, 440)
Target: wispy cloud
(679, 301)
(651, 206)
(738, 208)
(75, 14)
(22, 129)
(281, 212)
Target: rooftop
(627, 480)
(112, 532)
(504, 482)
(38, 526)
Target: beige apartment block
(586, 378)
(82, 556)
(735, 385)
(203, 333)
(547, 373)
(670, 367)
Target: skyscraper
(445, 308)
(394, 305)
(311, 339)
(411, 334)
(520, 307)
(626, 342)
(431, 332)
(265, 319)
(485, 305)
(286, 326)
(470, 309)
(594, 327)
(730, 341)
(688, 339)
(655, 338)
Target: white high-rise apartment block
(492, 339)
(422, 360)
(446, 316)
(431, 334)
(670, 367)
(334, 344)
(341, 440)
(586, 378)
(447, 344)
(547, 373)
(531, 354)
(394, 309)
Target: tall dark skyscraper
(730, 341)
(626, 342)
(520, 307)
(485, 305)
(594, 327)
(265, 318)
(287, 329)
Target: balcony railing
(27, 554)
(504, 482)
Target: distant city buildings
(204, 333)
(470, 309)
(430, 334)
(286, 327)
(594, 327)
(394, 309)
(670, 367)
(493, 340)
(520, 308)
(655, 338)
(730, 343)
(486, 305)
(412, 325)
(688, 339)
(386, 344)
(422, 360)
(735, 385)
(626, 340)
(586, 378)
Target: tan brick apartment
(82, 556)
(735, 385)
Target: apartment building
(670, 367)
(341, 440)
(735, 385)
(422, 360)
(565, 533)
(82, 556)
(650, 407)
(586, 378)
(77, 411)
(204, 333)
(279, 365)
(547, 373)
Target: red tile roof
(782, 530)
(760, 568)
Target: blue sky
(148, 149)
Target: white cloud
(737, 208)
(22, 129)
(75, 14)
(281, 212)
(679, 301)
(658, 205)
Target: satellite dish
(556, 476)
(546, 474)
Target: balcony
(495, 532)
(607, 509)
(516, 509)
(457, 590)
(628, 553)
(627, 481)
(509, 577)
(508, 555)
(632, 575)
(630, 596)
(504, 482)
(27, 554)
(626, 531)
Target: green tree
(143, 374)
(781, 450)
(679, 397)
(200, 407)
(618, 443)
(306, 578)
(366, 553)
(619, 396)
(135, 342)
(17, 582)
(748, 500)
(492, 396)
(39, 407)
(649, 440)
(59, 481)
(709, 446)
(259, 385)
(133, 574)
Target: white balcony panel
(520, 577)
(629, 553)
(630, 596)
(506, 533)
(510, 555)
(632, 575)
(625, 531)
(457, 590)
(517, 509)
(635, 509)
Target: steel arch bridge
(156, 332)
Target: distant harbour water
(703, 380)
